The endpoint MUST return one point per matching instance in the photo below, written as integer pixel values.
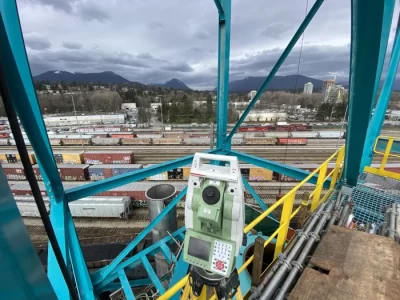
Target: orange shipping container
(260, 174)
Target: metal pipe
(344, 214)
(276, 264)
(285, 264)
(398, 224)
(297, 266)
(392, 221)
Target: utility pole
(162, 118)
(76, 118)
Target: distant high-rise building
(252, 94)
(336, 94)
(308, 87)
(328, 84)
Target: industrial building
(265, 116)
(84, 120)
(308, 88)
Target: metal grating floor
(372, 195)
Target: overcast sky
(152, 41)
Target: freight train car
(291, 141)
(95, 207)
(112, 141)
(101, 157)
(136, 141)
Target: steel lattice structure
(371, 21)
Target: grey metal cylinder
(158, 197)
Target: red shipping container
(292, 141)
(67, 172)
(95, 158)
(14, 171)
(122, 135)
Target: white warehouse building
(84, 120)
(265, 116)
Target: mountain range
(237, 86)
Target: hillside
(173, 84)
(102, 77)
(278, 83)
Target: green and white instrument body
(214, 214)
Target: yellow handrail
(385, 156)
(287, 212)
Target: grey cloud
(72, 45)
(35, 41)
(62, 5)
(87, 10)
(201, 35)
(276, 30)
(178, 67)
(155, 25)
(90, 11)
(145, 56)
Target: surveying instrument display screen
(214, 219)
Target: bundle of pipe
(397, 237)
(392, 215)
(308, 237)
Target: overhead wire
(294, 97)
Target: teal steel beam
(376, 122)
(385, 32)
(116, 181)
(221, 12)
(133, 283)
(367, 19)
(81, 272)
(253, 193)
(276, 167)
(126, 286)
(135, 260)
(153, 276)
(23, 95)
(278, 64)
(99, 276)
(224, 38)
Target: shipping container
(3, 142)
(292, 141)
(304, 134)
(106, 141)
(3, 158)
(4, 135)
(277, 134)
(259, 141)
(69, 157)
(12, 157)
(76, 142)
(260, 174)
(157, 177)
(186, 172)
(122, 157)
(102, 207)
(121, 135)
(26, 141)
(136, 141)
(55, 142)
(97, 172)
(237, 141)
(166, 141)
(245, 171)
(14, 171)
(175, 174)
(122, 169)
(67, 172)
(254, 134)
(173, 134)
(148, 136)
(197, 141)
(331, 134)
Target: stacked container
(122, 157)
